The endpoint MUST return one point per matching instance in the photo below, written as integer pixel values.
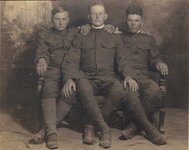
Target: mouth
(132, 28)
(61, 26)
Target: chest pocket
(54, 43)
(87, 43)
(108, 44)
(140, 49)
(108, 51)
(53, 40)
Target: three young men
(89, 69)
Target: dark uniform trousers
(53, 46)
(142, 54)
(150, 96)
(109, 87)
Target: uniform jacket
(142, 54)
(53, 45)
(94, 54)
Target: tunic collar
(102, 26)
(62, 32)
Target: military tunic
(53, 46)
(94, 55)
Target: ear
(68, 20)
(89, 17)
(106, 16)
(142, 22)
(52, 21)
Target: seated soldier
(142, 54)
(90, 63)
(52, 47)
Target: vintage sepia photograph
(94, 74)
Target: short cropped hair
(134, 10)
(94, 3)
(58, 9)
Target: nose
(132, 23)
(97, 16)
(61, 22)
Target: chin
(133, 31)
(98, 24)
(61, 29)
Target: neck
(100, 27)
(139, 31)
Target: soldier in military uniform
(90, 64)
(142, 54)
(52, 47)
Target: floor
(15, 137)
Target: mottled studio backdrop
(21, 20)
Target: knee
(70, 100)
(131, 96)
(50, 89)
(117, 90)
(84, 86)
(155, 92)
(131, 99)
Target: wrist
(128, 78)
(41, 60)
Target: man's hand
(148, 31)
(162, 68)
(110, 28)
(133, 85)
(68, 88)
(41, 67)
(85, 29)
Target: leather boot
(39, 137)
(105, 139)
(130, 131)
(89, 136)
(52, 141)
(49, 115)
(139, 115)
(95, 113)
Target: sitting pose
(52, 47)
(142, 54)
(90, 63)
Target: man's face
(60, 20)
(97, 15)
(134, 22)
